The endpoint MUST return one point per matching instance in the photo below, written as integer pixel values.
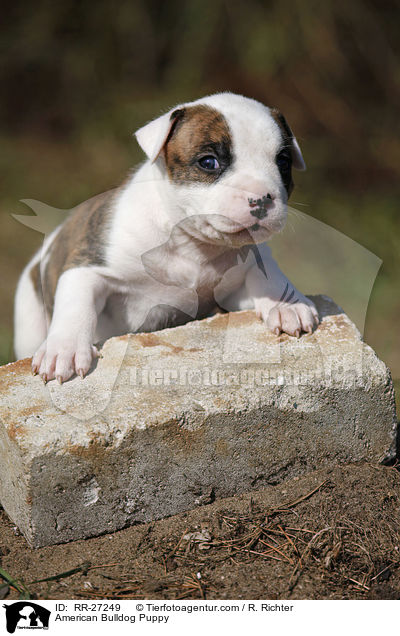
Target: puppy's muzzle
(259, 207)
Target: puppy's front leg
(277, 301)
(80, 297)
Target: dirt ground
(331, 534)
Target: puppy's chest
(166, 295)
(204, 276)
(199, 272)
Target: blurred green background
(77, 78)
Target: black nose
(259, 207)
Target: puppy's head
(228, 162)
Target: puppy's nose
(259, 207)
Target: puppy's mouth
(236, 229)
(259, 219)
(219, 229)
(239, 236)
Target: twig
(276, 550)
(106, 565)
(292, 581)
(290, 540)
(391, 565)
(358, 583)
(173, 551)
(303, 498)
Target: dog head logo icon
(26, 615)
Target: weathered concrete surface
(172, 419)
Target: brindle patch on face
(199, 131)
(287, 143)
(80, 242)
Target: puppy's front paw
(60, 358)
(290, 318)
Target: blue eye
(209, 163)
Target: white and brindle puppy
(171, 243)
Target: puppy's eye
(284, 161)
(209, 163)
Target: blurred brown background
(77, 78)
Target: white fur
(165, 241)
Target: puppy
(186, 232)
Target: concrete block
(173, 419)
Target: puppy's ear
(153, 136)
(297, 157)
